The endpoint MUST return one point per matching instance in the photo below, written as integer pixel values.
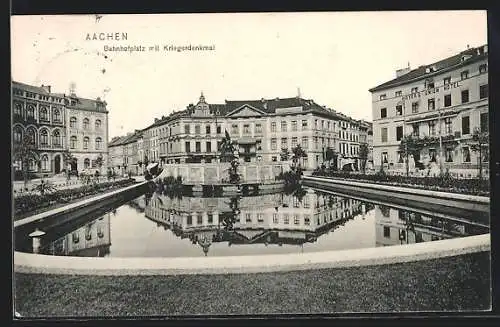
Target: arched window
(31, 111)
(32, 135)
(86, 123)
(56, 138)
(86, 142)
(86, 163)
(57, 115)
(73, 142)
(18, 134)
(18, 108)
(72, 122)
(32, 165)
(98, 143)
(43, 114)
(98, 124)
(45, 162)
(44, 137)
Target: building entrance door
(57, 164)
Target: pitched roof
(440, 66)
(86, 104)
(30, 88)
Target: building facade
(57, 123)
(441, 105)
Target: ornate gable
(246, 111)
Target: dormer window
(447, 80)
(465, 57)
(464, 74)
(483, 68)
(429, 84)
(383, 96)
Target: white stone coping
(71, 206)
(400, 189)
(46, 264)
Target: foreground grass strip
(448, 284)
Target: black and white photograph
(265, 163)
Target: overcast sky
(334, 58)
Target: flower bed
(444, 183)
(31, 202)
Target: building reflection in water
(269, 219)
(90, 240)
(397, 226)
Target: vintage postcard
(250, 163)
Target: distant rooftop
(461, 59)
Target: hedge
(444, 183)
(32, 201)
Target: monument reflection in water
(309, 217)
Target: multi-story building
(349, 133)
(57, 123)
(262, 129)
(366, 137)
(124, 153)
(441, 105)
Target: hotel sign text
(445, 87)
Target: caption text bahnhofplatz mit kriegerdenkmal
(157, 48)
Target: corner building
(441, 105)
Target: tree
(227, 148)
(99, 161)
(409, 145)
(363, 155)
(25, 151)
(298, 153)
(480, 145)
(331, 154)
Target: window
(414, 89)
(198, 146)
(400, 156)
(398, 93)
(283, 126)
(258, 128)
(273, 144)
(399, 110)
(186, 129)
(399, 133)
(219, 130)
(57, 115)
(98, 143)
(86, 123)
(466, 154)
(447, 80)
(199, 219)
(296, 219)
(305, 142)
(414, 107)
(294, 142)
(384, 134)
(246, 129)
(431, 104)
(304, 124)
(383, 96)
(197, 129)
(275, 218)
(316, 145)
(18, 134)
(432, 128)
(209, 146)
(483, 68)
(464, 74)
(416, 131)
(449, 155)
(315, 124)
(484, 122)
(432, 155)
(73, 142)
(284, 143)
(18, 108)
(273, 127)
(31, 111)
(234, 129)
(97, 124)
(384, 158)
(85, 142)
(383, 112)
(465, 96)
(429, 84)
(465, 125)
(43, 114)
(207, 129)
(447, 100)
(483, 91)
(45, 162)
(447, 126)
(44, 137)
(286, 219)
(31, 134)
(294, 125)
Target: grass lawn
(450, 284)
(59, 205)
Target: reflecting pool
(157, 225)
